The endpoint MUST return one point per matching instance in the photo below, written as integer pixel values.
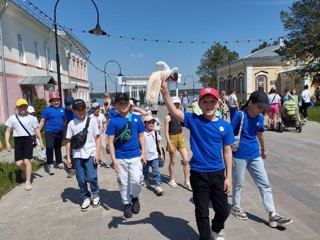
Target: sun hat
(54, 95)
(148, 118)
(209, 91)
(176, 99)
(121, 96)
(21, 101)
(31, 109)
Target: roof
(70, 86)
(38, 80)
(267, 52)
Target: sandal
(173, 184)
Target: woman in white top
(305, 97)
(234, 105)
(23, 126)
(275, 104)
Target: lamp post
(96, 31)
(105, 74)
(91, 90)
(189, 76)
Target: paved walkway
(51, 209)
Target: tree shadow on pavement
(164, 224)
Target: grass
(10, 176)
(314, 113)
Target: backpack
(78, 140)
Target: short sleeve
(9, 122)
(69, 133)
(44, 113)
(111, 129)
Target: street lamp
(189, 76)
(91, 89)
(96, 31)
(105, 74)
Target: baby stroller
(289, 117)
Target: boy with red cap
(211, 172)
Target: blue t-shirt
(111, 113)
(90, 111)
(249, 145)
(70, 115)
(207, 139)
(131, 148)
(54, 119)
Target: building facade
(262, 70)
(28, 60)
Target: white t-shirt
(232, 100)
(274, 98)
(151, 147)
(89, 149)
(305, 95)
(101, 119)
(29, 122)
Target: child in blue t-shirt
(53, 118)
(250, 155)
(127, 151)
(211, 172)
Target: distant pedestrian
(185, 101)
(224, 106)
(250, 155)
(317, 94)
(153, 148)
(275, 105)
(305, 98)
(175, 141)
(127, 150)
(233, 103)
(85, 150)
(102, 123)
(195, 107)
(211, 162)
(23, 125)
(53, 119)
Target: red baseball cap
(209, 91)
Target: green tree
(302, 22)
(212, 59)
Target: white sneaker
(61, 166)
(159, 190)
(51, 169)
(96, 202)
(85, 205)
(28, 186)
(217, 236)
(146, 184)
(187, 185)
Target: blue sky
(176, 20)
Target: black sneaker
(127, 212)
(135, 205)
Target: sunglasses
(106, 104)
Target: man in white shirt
(305, 98)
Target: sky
(239, 24)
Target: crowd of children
(132, 137)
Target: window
(37, 54)
(261, 81)
(241, 84)
(49, 58)
(22, 57)
(234, 85)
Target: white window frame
(265, 80)
(22, 56)
(49, 60)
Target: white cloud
(137, 55)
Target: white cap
(176, 100)
(148, 118)
(31, 109)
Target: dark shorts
(23, 148)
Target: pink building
(27, 57)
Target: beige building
(263, 69)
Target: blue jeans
(259, 176)
(155, 170)
(86, 171)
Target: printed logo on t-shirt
(221, 129)
(61, 110)
(136, 120)
(258, 124)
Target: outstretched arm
(176, 113)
